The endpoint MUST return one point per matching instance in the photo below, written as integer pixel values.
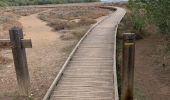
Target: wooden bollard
(18, 45)
(127, 69)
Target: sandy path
(43, 38)
(35, 28)
(46, 56)
(44, 59)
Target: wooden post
(127, 70)
(20, 61)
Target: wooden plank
(77, 81)
(56, 80)
(85, 94)
(20, 61)
(80, 98)
(26, 43)
(7, 43)
(68, 80)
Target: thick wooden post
(20, 61)
(127, 70)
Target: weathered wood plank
(81, 98)
(20, 61)
(91, 76)
(7, 43)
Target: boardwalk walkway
(89, 75)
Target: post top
(129, 33)
(129, 36)
(15, 28)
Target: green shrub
(3, 4)
(138, 23)
(168, 47)
(156, 11)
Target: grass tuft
(86, 21)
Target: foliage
(156, 11)
(137, 17)
(168, 47)
(37, 2)
(2, 4)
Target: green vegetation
(38, 2)
(153, 12)
(143, 17)
(168, 47)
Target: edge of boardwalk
(114, 61)
(59, 75)
(48, 93)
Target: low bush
(168, 47)
(67, 36)
(86, 21)
(61, 24)
(128, 25)
(8, 20)
(57, 24)
(79, 32)
(74, 13)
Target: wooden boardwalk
(90, 73)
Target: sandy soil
(44, 59)
(152, 80)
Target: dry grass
(75, 33)
(73, 13)
(79, 32)
(75, 30)
(61, 24)
(118, 4)
(67, 49)
(25, 11)
(7, 21)
(86, 21)
(75, 20)
(67, 36)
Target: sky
(113, 0)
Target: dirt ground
(152, 80)
(44, 60)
